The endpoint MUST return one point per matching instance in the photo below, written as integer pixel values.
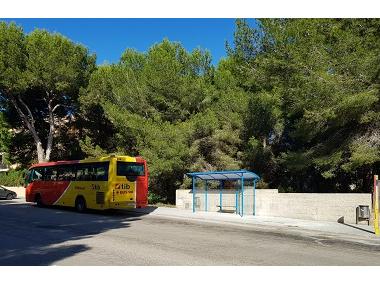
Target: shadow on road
(358, 228)
(39, 236)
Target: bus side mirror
(131, 178)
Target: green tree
(41, 75)
(149, 99)
(5, 137)
(314, 90)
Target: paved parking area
(56, 236)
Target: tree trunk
(264, 142)
(51, 132)
(40, 152)
(29, 123)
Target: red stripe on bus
(50, 191)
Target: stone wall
(312, 206)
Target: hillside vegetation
(295, 100)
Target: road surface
(56, 236)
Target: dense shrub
(12, 178)
(154, 198)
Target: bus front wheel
(38, 200)
(80, 204)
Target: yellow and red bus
(112, 182)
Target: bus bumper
(122, 205)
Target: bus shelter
(222, 176)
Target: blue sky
(108, 38)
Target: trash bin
(362, 213)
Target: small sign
(121, 186)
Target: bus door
(36, 183)
(49, 190)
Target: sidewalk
(349, 233)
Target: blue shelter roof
(225, 175)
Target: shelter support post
(242, 196)
(254, 197)
(236, 201)
(206, 188)
(221, 195)
(193, 181)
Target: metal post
(376, 204)
(236, 201)
(193, 180)
(206, 185)
(220, 195)
(242, 195)
(254, 197)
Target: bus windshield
(130, 169)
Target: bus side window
(79, 174)
(101, 173)
(70, 172)
(50, 174)
(37, 174)
(66, 173)
(82, 173)
(92, 172)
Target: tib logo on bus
(121, 186)
(376, 189)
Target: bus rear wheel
(80, 204)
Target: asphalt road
(56, 236)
